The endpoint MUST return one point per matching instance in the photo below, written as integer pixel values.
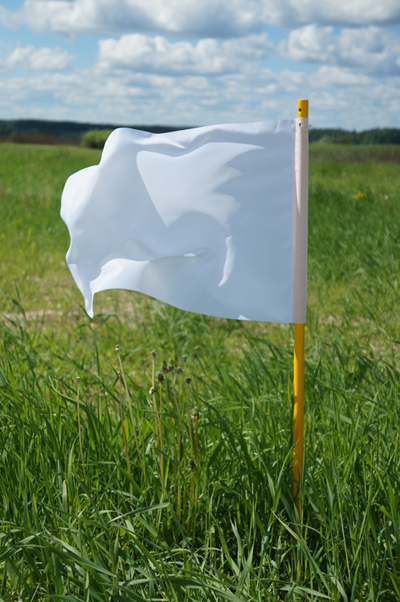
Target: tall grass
(198, 504)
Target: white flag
(205, 219)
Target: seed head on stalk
(123, 432)
(160, 378)
(78, 380)
(194, 356)
(153, 363)
(118, 349)
(188, 380)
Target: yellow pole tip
(302, 108)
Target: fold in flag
(205, 219)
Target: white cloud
(37, 59)
(213, 18)
(292, 13)
(146, 54)
(337, 97)
(195, 18)
(371, 49)
(334, 77)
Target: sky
(199, 62)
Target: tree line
(72, 132)
(339, 136)
(65, 132)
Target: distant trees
(95, 138)
(380, 136)
(339, 136)
(38, 131)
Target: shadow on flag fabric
(203, 219)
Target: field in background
(90, 530)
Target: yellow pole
(298, 384)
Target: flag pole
(298, 412)
(298, 373)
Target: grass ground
(85, 517)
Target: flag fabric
(204, 219)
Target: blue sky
(198, 62)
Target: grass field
(190, 496)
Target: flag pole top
(302, 108)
